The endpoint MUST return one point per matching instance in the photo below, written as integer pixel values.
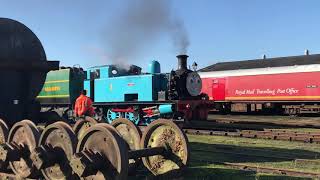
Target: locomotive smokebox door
(23, 69)
(194, 84)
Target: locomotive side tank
(126, 87)
(23, 69)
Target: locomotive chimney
(306, 52)
(182, 62)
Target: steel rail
(309, 137)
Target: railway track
(288, 135)
(260, 169)
(268, 121)
(286, 172)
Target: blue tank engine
(119, 91)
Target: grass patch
(207, 151)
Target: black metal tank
(23, 69)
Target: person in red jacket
(83, 105)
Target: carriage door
(218, 89)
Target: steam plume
(139, 25)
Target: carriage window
(95, 74)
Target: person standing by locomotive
(83, 105)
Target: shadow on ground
(230, 174)
(202, 154)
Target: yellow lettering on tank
(110, 87)
(52, 88)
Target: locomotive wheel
(60, 137)
(165, 133)
(132, 136)
(82, 125)
(112, 162)
(111, 116)
(25, 135)
(133, 117)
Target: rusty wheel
(165, 133)
(82, 125)
(132, 136)
(101, 154)
(24, 135)
(59, 142)
(4, 131)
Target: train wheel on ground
(111, 116)
(4, 131)
(56, 146)
(132, 136)
(165, 133)
(82, 125)
(23, 139)
(101, 154)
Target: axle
(11, 152)
(87, 163)
(44, 156)
(135, 154)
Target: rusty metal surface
(82, 125)
(59, 141)
(147, 152)
(4, 132)
(12, 176)
(129, 132)
(132, 136)
(112, 162)
(23, 137)
(165, 133)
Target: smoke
(180, 36)
(138, 26)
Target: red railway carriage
(288, 85)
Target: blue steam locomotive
(126, 92)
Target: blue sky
(219, 30)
